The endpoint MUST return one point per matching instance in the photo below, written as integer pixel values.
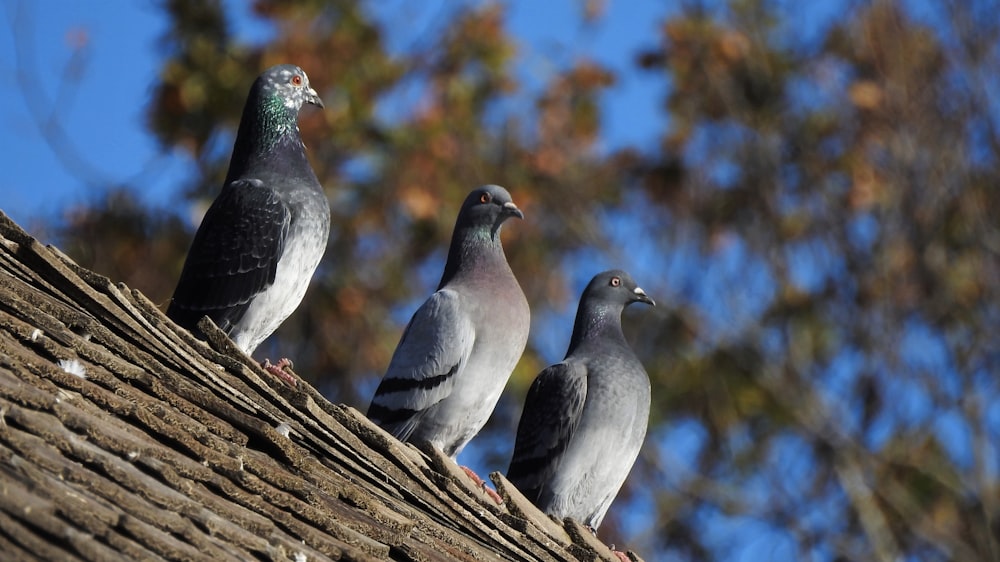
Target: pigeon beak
(640, 296)
(507, 210)
(313, 98)
(510, 209)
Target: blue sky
(90, 68)
(100, 108)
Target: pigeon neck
(266, 124)
(599, 323)
(473, 249)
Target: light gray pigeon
(462, 344)
(261, 240)
(585, 418)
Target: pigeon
(584, 419)
(457, 352)
(261, 240)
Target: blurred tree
(843, 367)
(816, 224)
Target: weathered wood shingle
(123, 437)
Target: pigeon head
(600, 312)
(270, 119)
(615, 287)
(287, 84)
(486, 209)
(475, 244)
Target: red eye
(485, 198)
(616, 281)
(296, 80)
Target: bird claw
(482, 485)
(620, 555)
(279, 369)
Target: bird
(461, 345)
(585, 418)
(261, 240)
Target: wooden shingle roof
(124, 438)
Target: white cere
(73, 367)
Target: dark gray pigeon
(462, 344)
(585, 418)
(262, 238)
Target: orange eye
(485, 198)
(616, 281)
(296, 80)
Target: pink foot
(482, 485)
(278, 370)
(621, 555)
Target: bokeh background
(810, 191)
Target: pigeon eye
(485, 198)
(296, 80)
(616, 281)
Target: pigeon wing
(234, 255)
(433, 349)
(551, 414)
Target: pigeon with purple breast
(461, 345)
